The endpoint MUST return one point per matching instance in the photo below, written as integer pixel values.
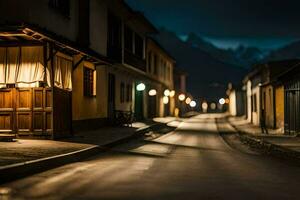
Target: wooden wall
(26, 111)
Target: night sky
(227, 23)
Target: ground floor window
(122, 92)
(89, 82)
(129, 93)
(22, 66)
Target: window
(114, 31)
(128, 35)
(139, 46)
(155, 64)
(89, 82)
(129, 93)
(122, 92)
(62, 6)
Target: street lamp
(222, 101)
(152, 92)
(172, 93)
(165, 100)
(188, 100)
(193, 104)
(181, 97)
(141, 87)
(167, 92)
(204, 107)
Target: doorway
(152, 106)
(139, 105)
(111, 96)
(292, 111)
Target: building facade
(160, 67)
(78, 72)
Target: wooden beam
(20, 43)
(78, 63)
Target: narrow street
(193, 162)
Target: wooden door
(292, 108)
(152, 108)
(26, 111)
(62, 113)
(7, 110)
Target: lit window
(89, 82)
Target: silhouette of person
(263, 122)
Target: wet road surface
(193, 162)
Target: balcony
(114, 53)
(134, 61)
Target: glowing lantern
(213, 106)
(181, 97)
(165, 100)
(193, 104)
(204, 106)
(167, 92)
(188, 100)
(152, 92)
(141, 87)
(172, 93)
(222, 101)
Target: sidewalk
(24, 150)
(274, 137)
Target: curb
(267, 147)
(20, 170)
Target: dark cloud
(225, 18)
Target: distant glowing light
(222, 101)
(165, 100)
(204, 106)
(141, 87)
(227, 101)
(193, 104)
(167, 92)
(152, 92)
(213, 106)
(172, 93)
(176, 112)
(188, 100)
(181, 97)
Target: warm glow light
(165, 100)
(188, 100)
(193, 104)
(181, 97)
(222, 101)
(140, 87)
(204, 106)
(176, 112)
(152, 92)
(172, 93)
(167, 92)
(213, 106)
(227, 101)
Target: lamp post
(181, 98)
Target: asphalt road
(193, 162)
